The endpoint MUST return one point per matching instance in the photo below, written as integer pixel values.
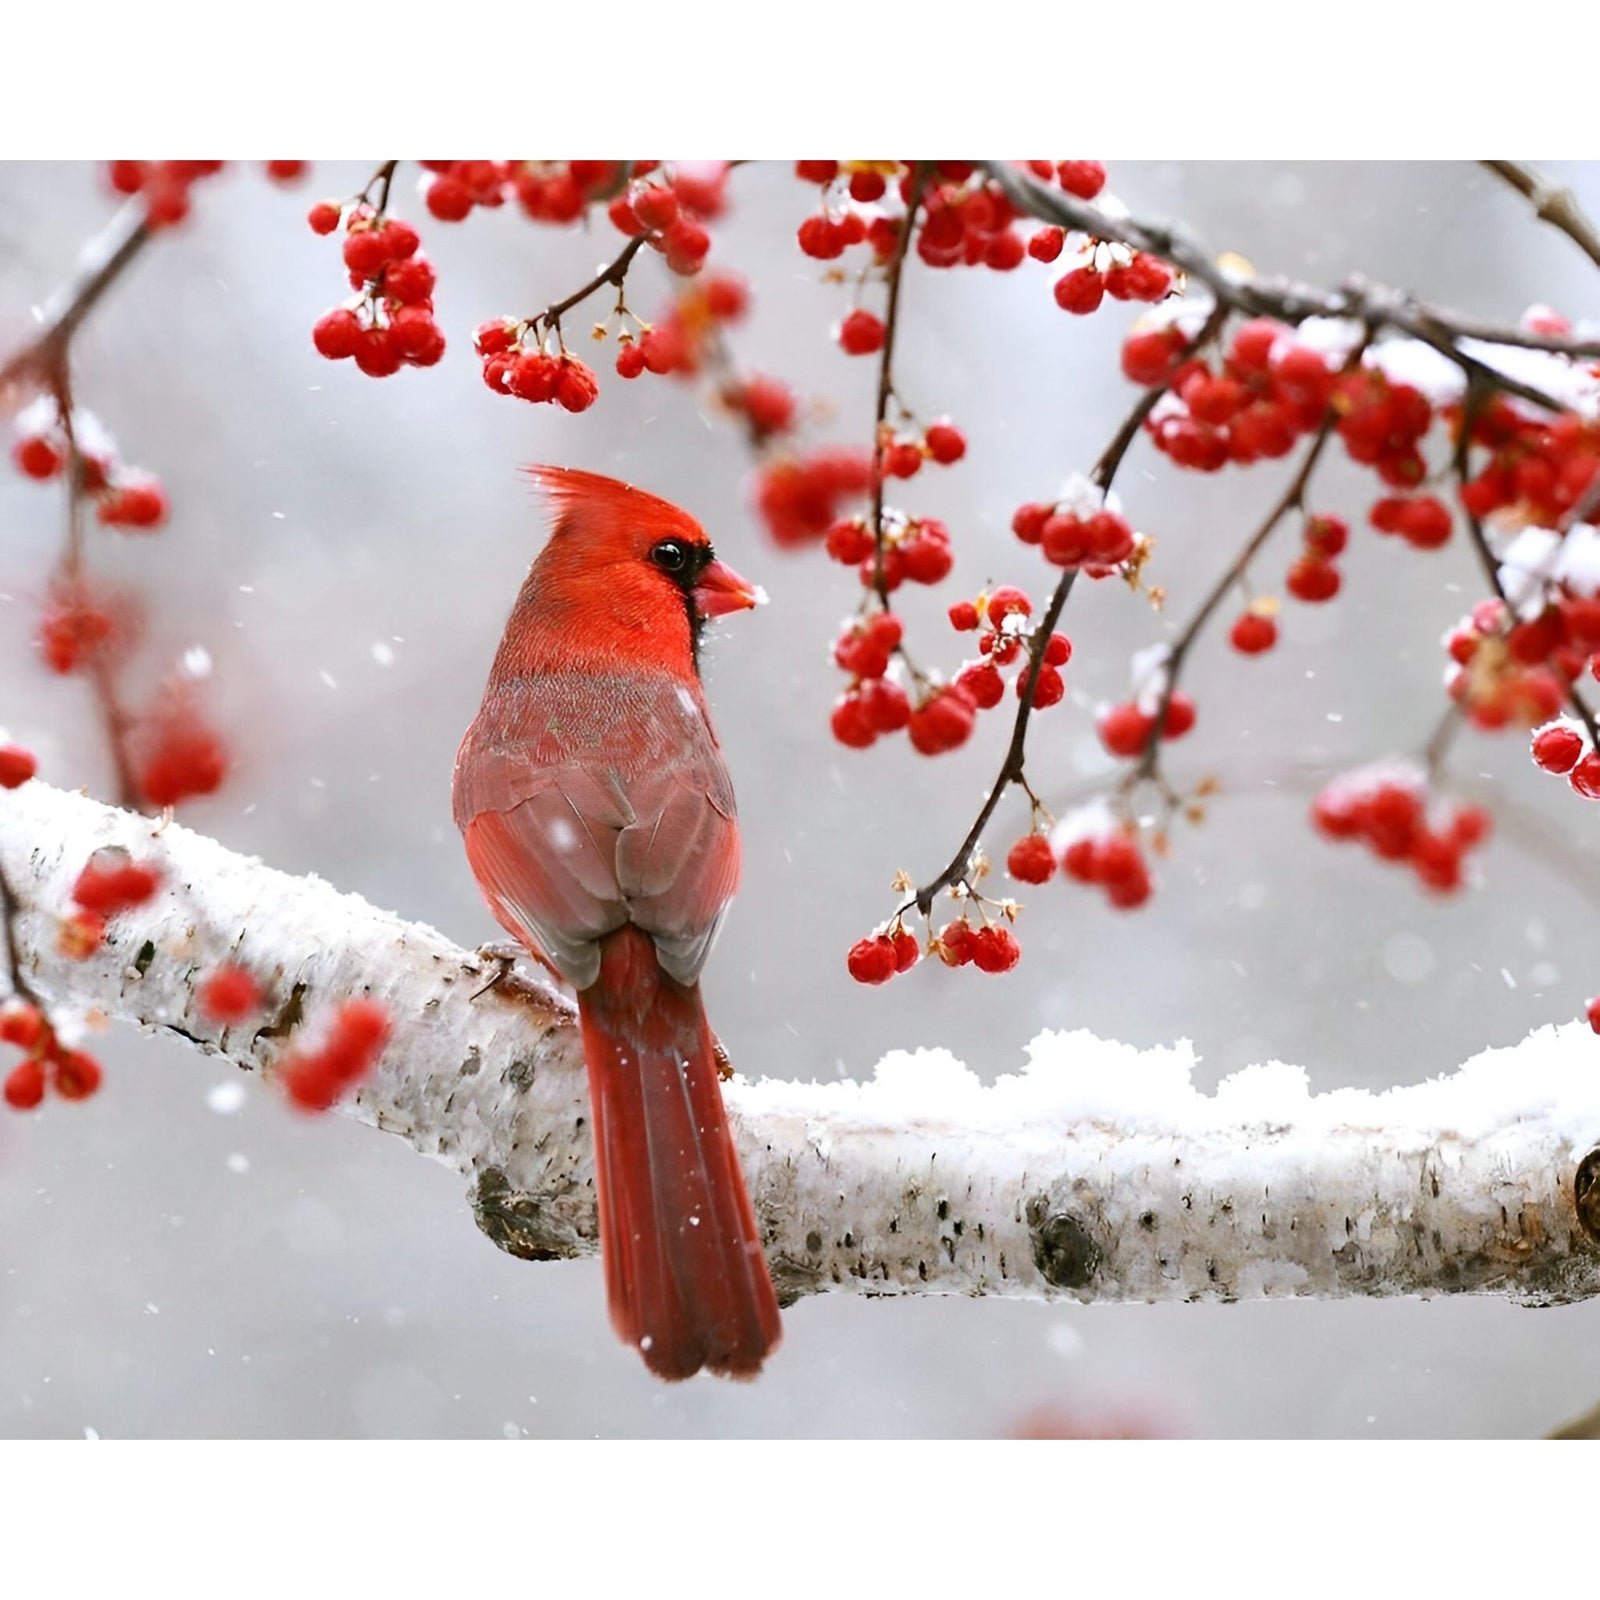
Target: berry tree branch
(1292, 498)
(1371, 304)
(1552, 202)
(1045, 1185)
(616, 273)
(1012, 767)
(102, 261)
(895, 272)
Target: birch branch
(1099, 1173)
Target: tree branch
(1552, 202)
(1099, 1174)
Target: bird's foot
(722, 1059)
(504, 955)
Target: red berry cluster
(671, 209)
(965, 218)
(1126, 728)
(879, 958)
(873, 704)
(1504, 676)
(124, 497)
(314, 1079)
(1102, 269)
(392, 324)
(1562, 748)
(800, 497)
(1081, 528)
(1423, 520)
(915, 549)
(164, 186)
(228, 995)
(990, 947)
(47, 1063)
(1389, 809)
(1000, 617)
(1267, 390)
(1110, 859)
(548, 191)
(1313, 578)
(1538, 467)
(532, 373)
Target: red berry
(1057, 650)
(907, 949)
(872, 960)
(1312, 579)
(886, 705)
(656, 207)
(576, 389)
(21, 1024)
(1080, 291)
(1150, 358)
(945, 443)
(1424, 523)
(852, 723)
(687, 245)
(1031, 860)
(80, 935)
(1592, 1011)
(228, 995)
(36, 457)
(1557, 747)
(365, 252)
(448, 199)
(1028, 522)
(1085, 179)
(25, 1085)
(110, 884)
(409, 282)
(942, 722)
(1125, 730)
(16, 766)
(630, 361)
(816, 171)
(1585, 777)
(1048, 691)
(376, 354)
(982, 684)
(995, 949)
(1046, 244)
(76, 1075)
(1253, 633)
(287, 171)
(954, 943)
(1180, 716)
(337, 333)
(963, 616)
(1327, 536)
(861, 333)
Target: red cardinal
(599, 821)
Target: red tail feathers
(685, 1277)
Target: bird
(599, 821)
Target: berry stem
(112, 714)
(616, 273)
(891, 319)
(383, 179)
(1552, 202)
(1439, 742)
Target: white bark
(1099, 1173)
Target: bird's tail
(686, 1281)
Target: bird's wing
(589, 803)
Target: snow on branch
(1098, 1173)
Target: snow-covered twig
(1099, 1173)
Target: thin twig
(102, 261)
(1552, 202)
(9, 907)
(1012, 767)
(891, 320)
(616, 273)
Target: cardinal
(599, 822)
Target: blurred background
(182, 1258)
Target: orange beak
(721, 590)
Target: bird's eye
(671, 555)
